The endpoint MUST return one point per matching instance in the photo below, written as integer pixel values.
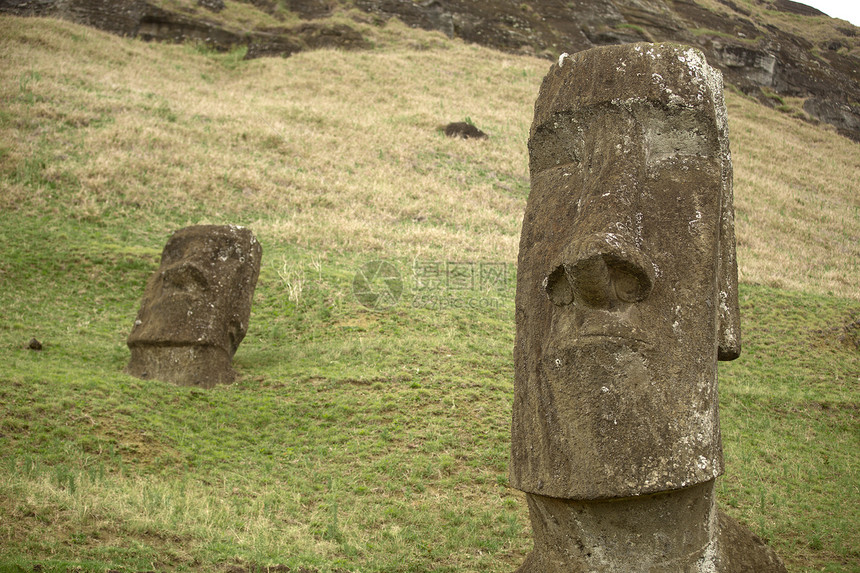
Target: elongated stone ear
(729, 326)
(729, 335)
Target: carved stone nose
(604, 271)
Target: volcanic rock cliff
(769, 49)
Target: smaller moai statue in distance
(196, 307)
(626, 299)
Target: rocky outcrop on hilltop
(746, 39)
(757, 57)
(144, 19)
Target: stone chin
(616, 422)
(183, 321)
(183, 364)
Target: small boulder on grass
(463, 130)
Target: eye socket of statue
(185, 277)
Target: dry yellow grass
(339, 151)
(797, 201)
(244, 15)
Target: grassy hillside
(357, 439)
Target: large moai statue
(626, 299)
(196, 307)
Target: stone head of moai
(196, 306)
(627, 279)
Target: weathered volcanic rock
(196, 307)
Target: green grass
(356, 439)
(789, 415)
